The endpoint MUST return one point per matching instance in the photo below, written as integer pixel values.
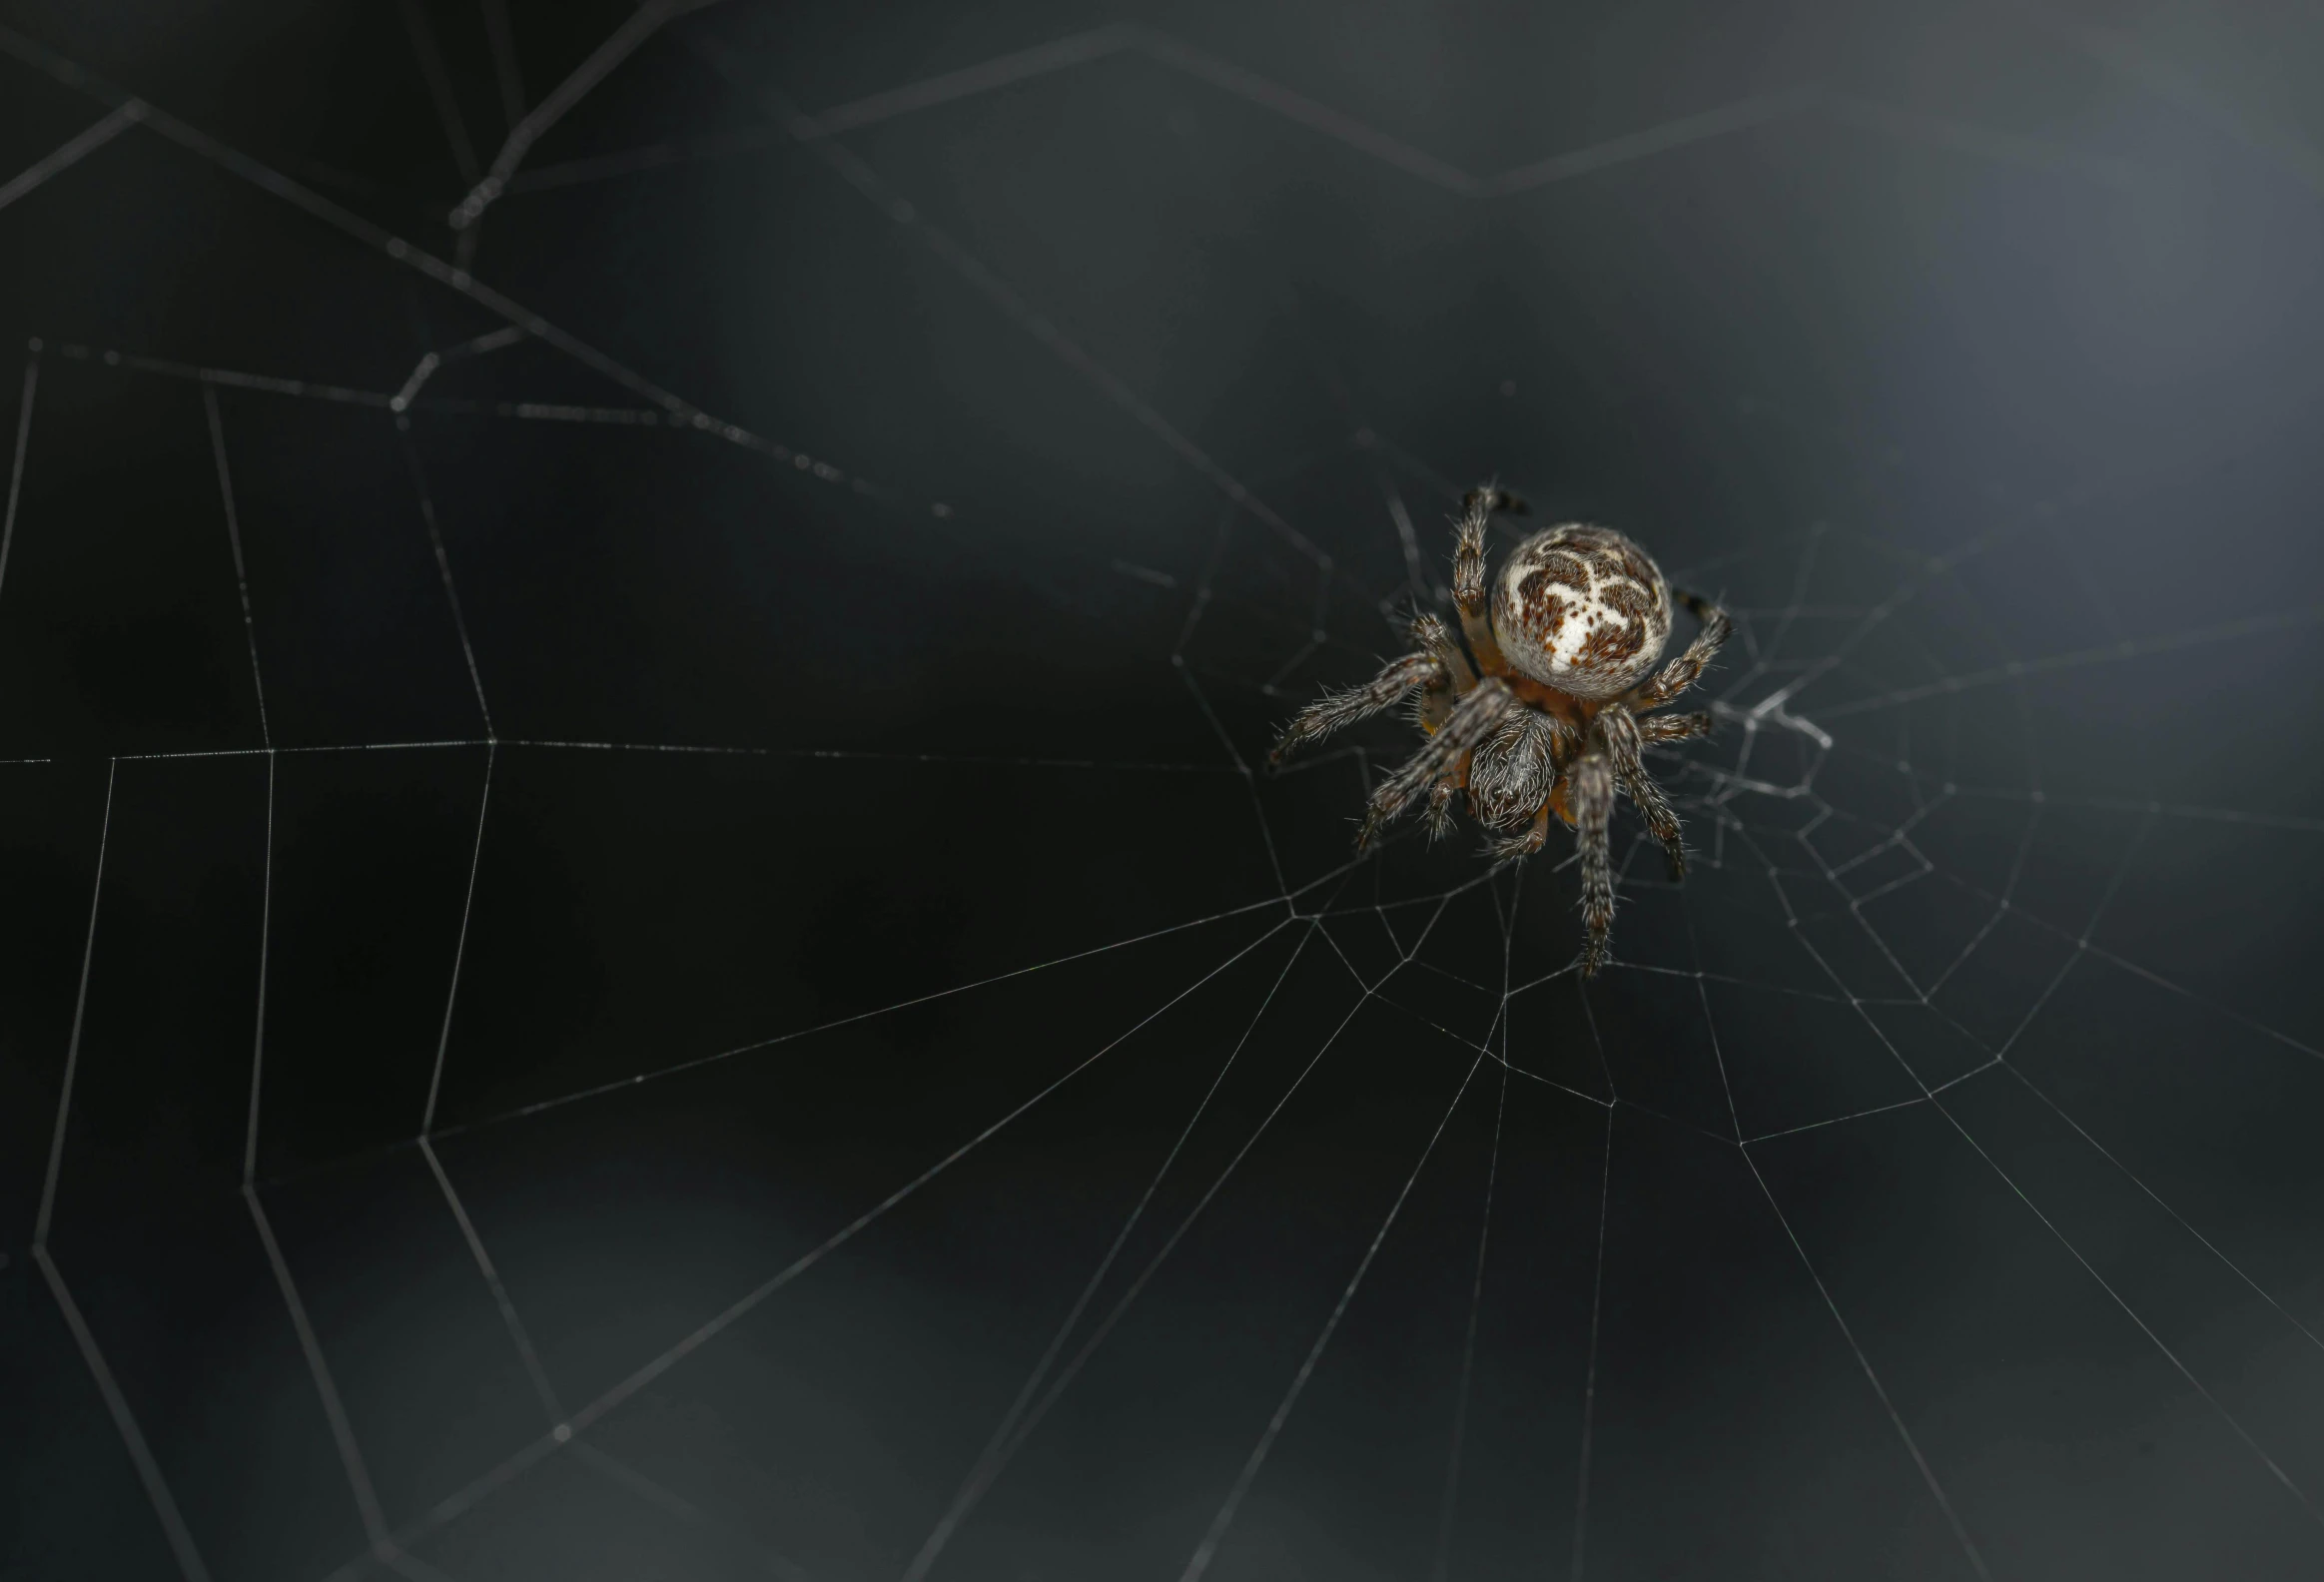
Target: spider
(1553, 714)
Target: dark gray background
(1064, 424)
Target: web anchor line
(675, 409)
(1175, 55)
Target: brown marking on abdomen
(1539, 607)
(1608, 646)
(1629, 597)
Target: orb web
(1517, 1239)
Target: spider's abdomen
(1582, 610)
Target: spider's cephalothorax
(1554, 712)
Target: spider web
(469, 1140)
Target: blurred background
(644, 936)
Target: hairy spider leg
(1673, 727)
(1436, 702)
(1397, 680)
(1593, 800)
(1471, 721)
(1440, 796)
(1622, 745)
(1436, 637)
(1683, 671)
(1468, 573)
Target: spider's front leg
(1471, 721)
(1683, 671)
